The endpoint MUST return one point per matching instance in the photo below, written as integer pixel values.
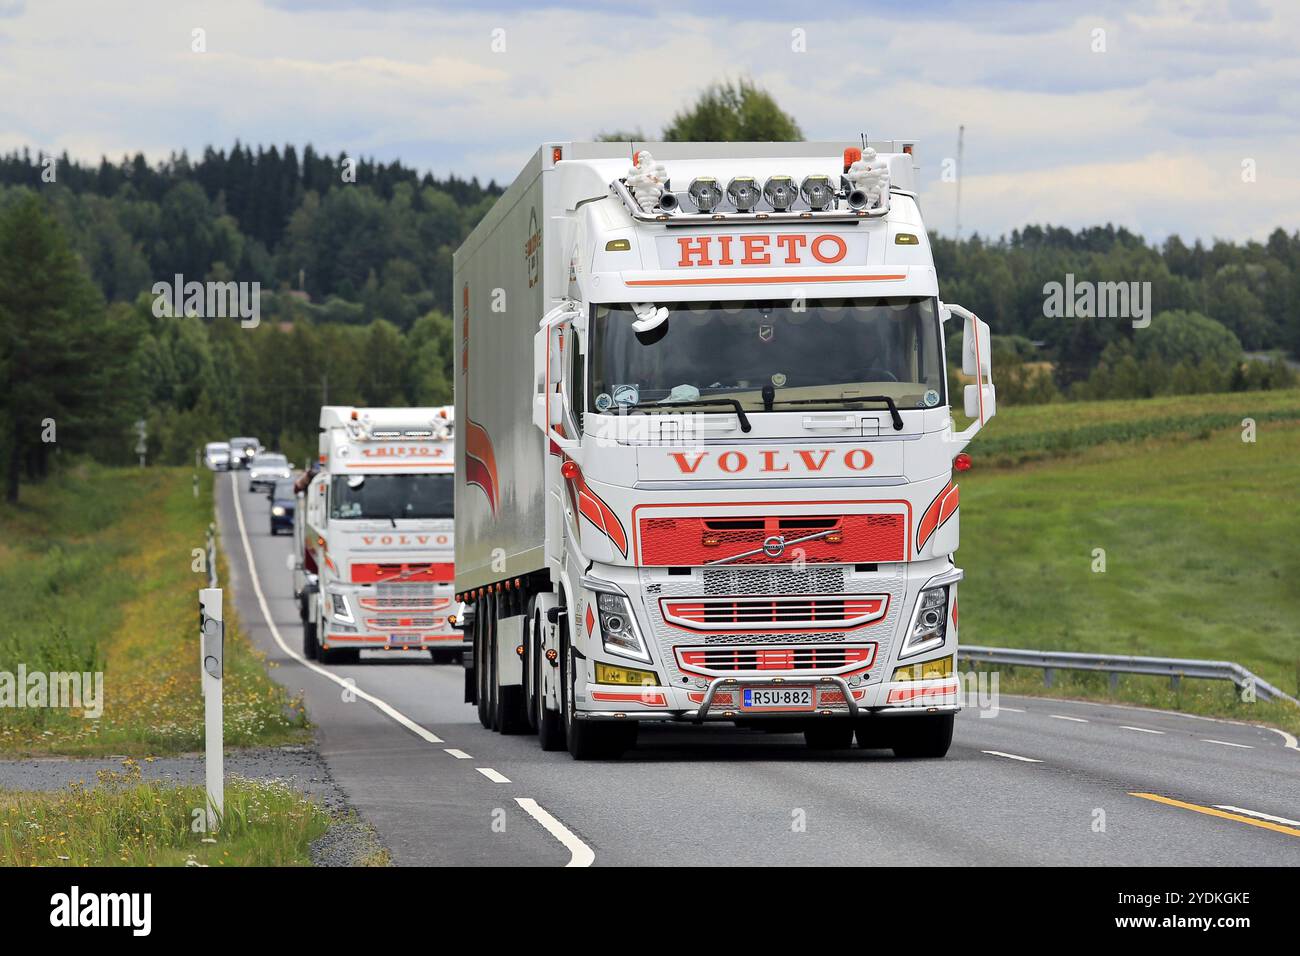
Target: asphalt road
(1041, 782)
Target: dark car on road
(283, 500)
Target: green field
(1198, 529)
(96, 575)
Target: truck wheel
(550, 723)
(830, 733)
(590, 739)
(923, 737)
(480, 662)
(310, 647)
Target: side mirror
(980, 401)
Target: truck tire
(590, 739)
(310, 647)
(481, 615)
(550, 723)
(830, 733)
(927, 737)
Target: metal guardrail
(212, 556)
(1173, 668)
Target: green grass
(1026, 433)
(1199, 536)
(126, 822)
(96, 575)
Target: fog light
(609, 674)
(929, 670)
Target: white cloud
(1142, 134)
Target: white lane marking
(493, 775)
(1141, 730)
(1010, 710)
(999, 753)
(458, 754)
(1226, 743)
(392, 712)
(579, 853)
(1288, 740)
(1262, 816)
(1077, 720)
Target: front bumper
(721, 700)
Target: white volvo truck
(375, 530)
(705, 470)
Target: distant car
(242, 451)
(216, 455)
(283, 500)
(266, 470)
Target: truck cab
(376, 529)
(747, 451)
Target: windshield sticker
(931, 397)
(627, 394)
(765, 333)
(778, 379)
(604, 401)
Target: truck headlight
(618, 628)
(930, 623)
(277, 510)
(341, 609)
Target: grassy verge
(126, 822)
(97, 575)
(1196, 537)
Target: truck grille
(761, 584)
(394, 622)
(404, 602)
(817, 612)
(730, 660)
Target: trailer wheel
(590, 739)
(926, 737)
(481, 615)
(830, 733)
(550, 723)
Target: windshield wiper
(666, 406)
(852, 400)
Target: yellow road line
(1263, 824)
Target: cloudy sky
(1170, 116)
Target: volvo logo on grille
(774, 546)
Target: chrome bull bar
(740, 683)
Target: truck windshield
(391, 496)
(830, 349)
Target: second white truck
(375, 528)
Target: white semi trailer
(705, 469)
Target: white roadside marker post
(212, 634)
